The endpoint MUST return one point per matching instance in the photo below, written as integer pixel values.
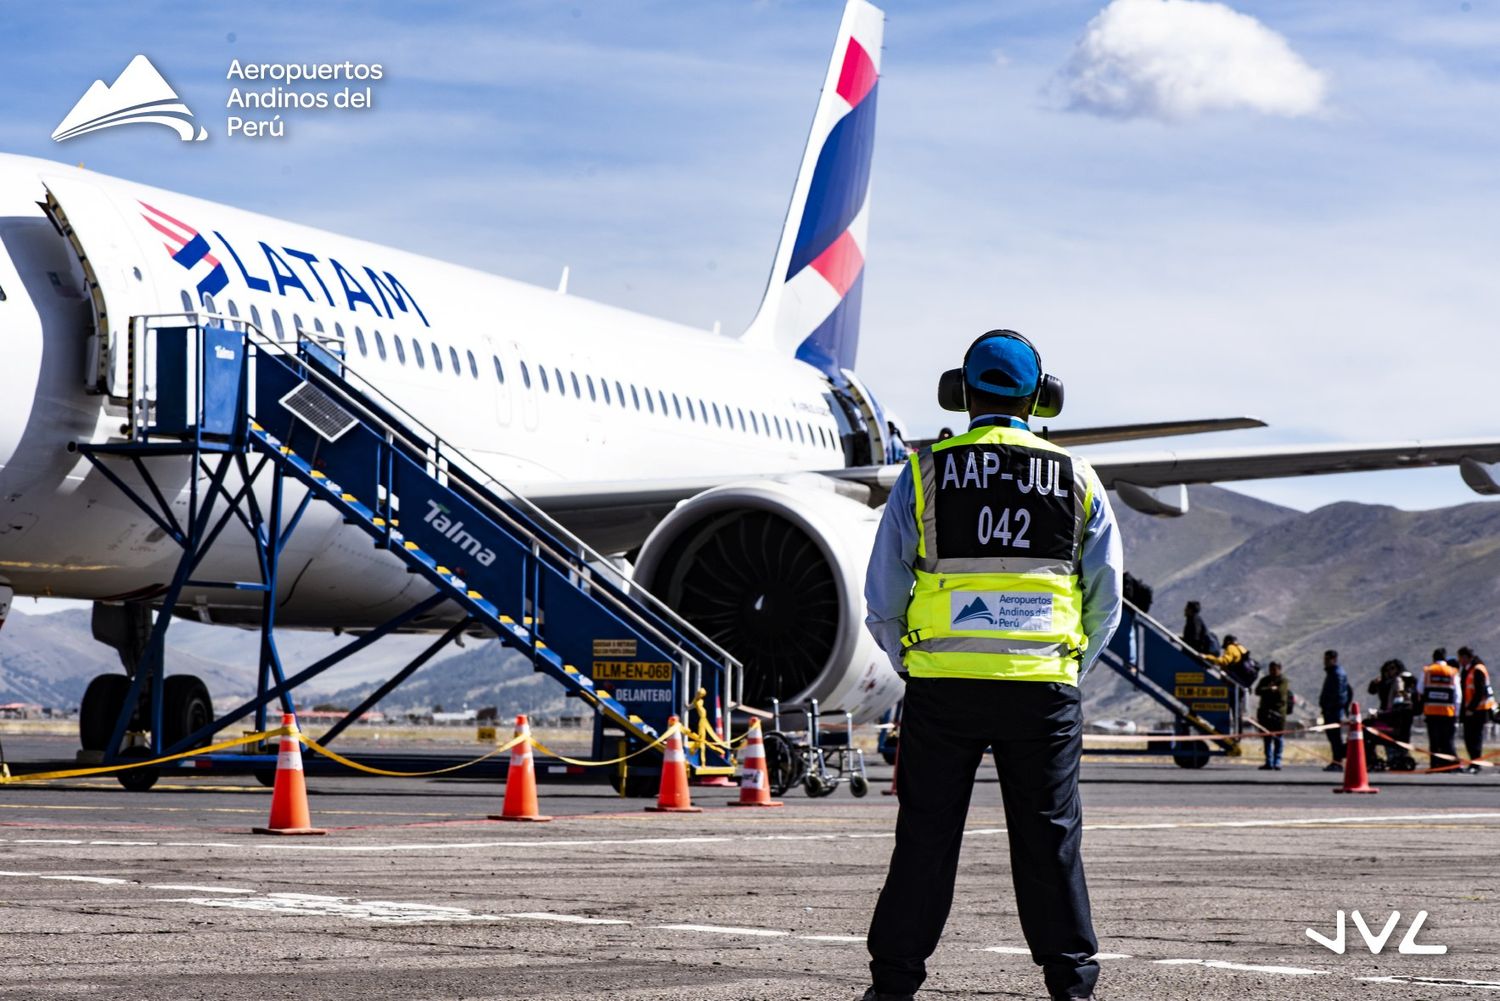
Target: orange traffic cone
(289, 795)
(1355, 777)
(520, 781)
(895, 774)
(673, 797)
(755, 777)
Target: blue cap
(1004, 366)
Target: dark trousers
(1474, 735)
(1335, 735)
(1440, 740)
(1037, 734)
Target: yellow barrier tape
(371, 769)
(74, 773)
(659, 741)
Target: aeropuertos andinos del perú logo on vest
(139, 96)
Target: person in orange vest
(1478, 704)
(1438, 689)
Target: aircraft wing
(1156, 469)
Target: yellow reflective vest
(1000, 517)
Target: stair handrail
(584, 559)
(1178, 642)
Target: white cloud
(1178, 59)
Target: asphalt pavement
(1203, 884)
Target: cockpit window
(2, 293)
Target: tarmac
(1203, 883)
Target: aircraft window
(765, 424)
(620, 392)
(359, 339)
(400, 348)
(604, 385)
(525, 375)
(318, 326)
(2, 295)
(187, 302)
(280, 327)
(702, 411)
(297, 324)
(473, 365)
(677, 406)
(379, 343)
(437, 357)
(635, 397)
(499, 372)
(208, 303)
(593, 396)
(649, 405)
(801, 434)
(777, 422)
(717, 419)
(416, 349)
(453, 357)
(255, 319)
(576, 391)
(542, 371)
(562, 389)
(662, 399)
(233, 310)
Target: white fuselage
(536, 386)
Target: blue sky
(1332, 271)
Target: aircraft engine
(774, 571)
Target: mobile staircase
(238, 427)
(1203, 700)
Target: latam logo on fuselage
(189, 247)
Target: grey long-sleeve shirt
(890, 577)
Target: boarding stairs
(221, 391)
(1203, 700)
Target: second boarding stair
(1203, 700)
(506, 564)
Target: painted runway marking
(860, 939)
(725, 930)
(47, 841)
(1111, 955)
(572, 919)
(1487, 985)
(101, 880)
(1220, 964)
(126, 844)
(189, 888)
(1008, 950)
(312, 905)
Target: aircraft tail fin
(812, 301)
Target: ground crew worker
(1393, 692)
(1478, 704)
(994, 584)
(1276, 702)
(1438, 690)
(1334, 701)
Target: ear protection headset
(953, 387)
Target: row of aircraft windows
(682, 407)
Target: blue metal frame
(384, 458)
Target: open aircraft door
(119, 285)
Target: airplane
(741, 476)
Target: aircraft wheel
(102, 701)
(186, 708)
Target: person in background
(1236, 662)
(1276, 701)
(1478, 704)
(1195, 631)
(1438, 690)
(1334, 701)
(1394, 691)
